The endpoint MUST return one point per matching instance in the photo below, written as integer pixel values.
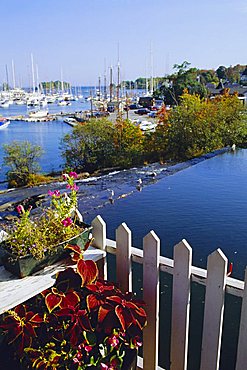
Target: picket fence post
(180, 305)
(123, 257)
(99, 241)
(151, 255)
(214, 310)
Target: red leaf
(103, 312)
(114, 299)
(87, 270)
(92, 302)
(52, 301)
(124, 317)
(75, 248)
(70, 300)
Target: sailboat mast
(7, 77)
(33, 73)
(62, 86)
(37, 77)
(99, 87)
(111, 84)
(152, 72)
(13, 74)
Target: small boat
(4, 122)
(38, 114)
(71, 121)
(63, 103)
(4, 104)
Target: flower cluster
(58, 222)
(82, 322)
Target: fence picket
(180, 305)
(123, 257)
(242, 353)
(151, 253)
(99, 236)
(213, 311)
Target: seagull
(111, 195)
(139, 185)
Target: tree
(183, 78)
(128, 140)
(221, 72)
(89, 146)
(199, 125)
(99, 144)
(21, 157)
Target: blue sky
(82, 37)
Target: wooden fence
(214, 278)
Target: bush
(21, 157)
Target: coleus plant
(82, 322)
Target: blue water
(206, 204)
(46, 134)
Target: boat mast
(105, 93)
(118, 80)
(37, 77)
(13, 74)
(99, 87)
(62, 86)
(7, 77)
(152, 72)
(111, 84)
(33, 73)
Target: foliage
(208, 76)
(89, 146)
(56, 224)
(128, 144)
(21, 157)
(55, 85)
(183, 78)
(198, 126)
(81, 323)
(101, 144)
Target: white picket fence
(217, 284)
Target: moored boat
(4, 122)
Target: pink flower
(55, 192)
(88, 348)
(113, 341)
(72, 187)
(73, 174)
(20, 209)
(67, 222)
(75, 187)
